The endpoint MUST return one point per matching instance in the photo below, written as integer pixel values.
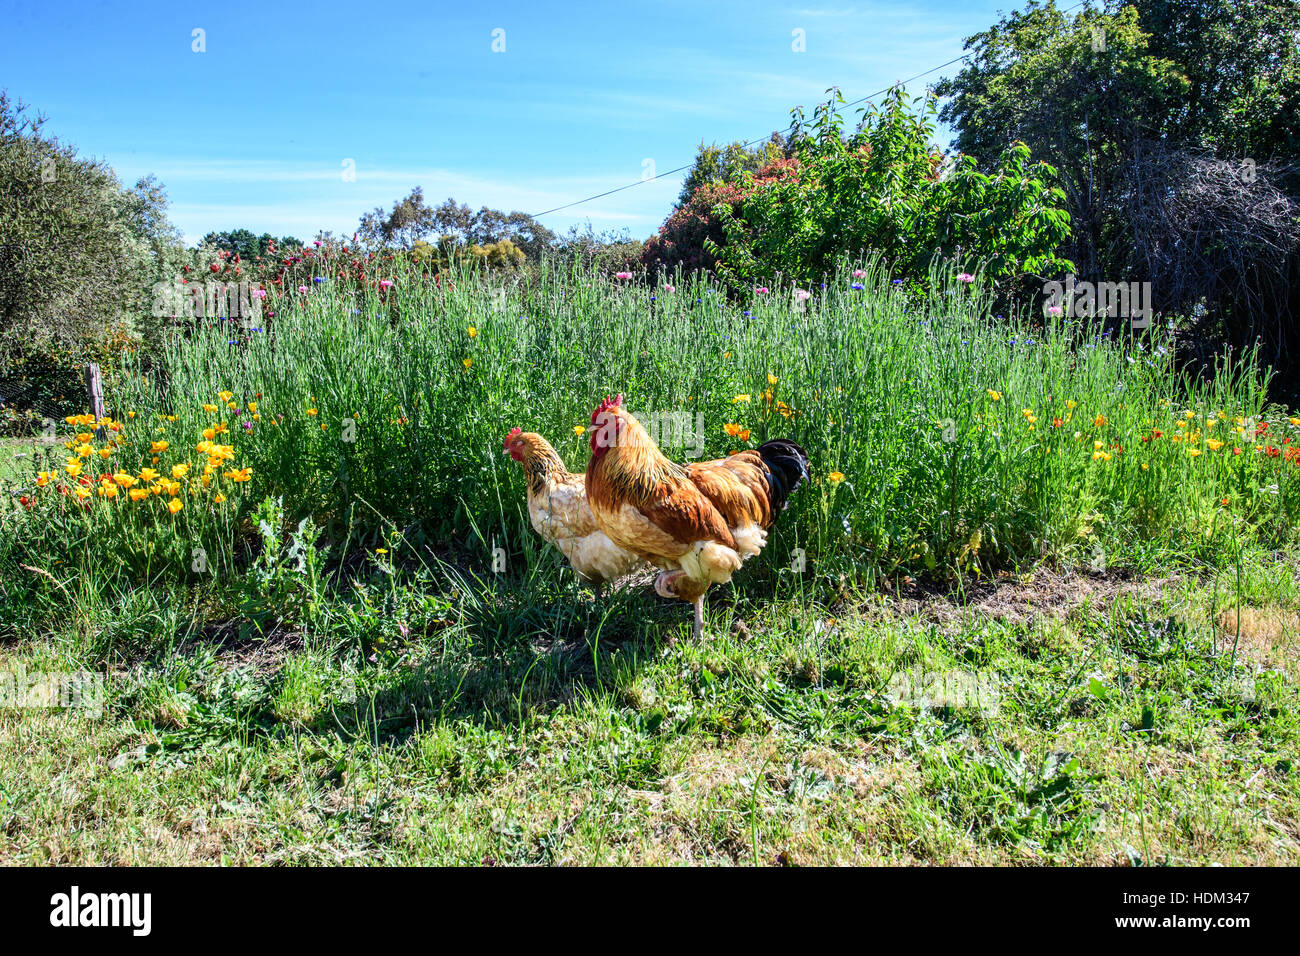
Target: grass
(1125, 731)
(1046, 615)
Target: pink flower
(859, 273)
(259, 293)
(762, 290)
(622, 275)
(966, 278)
(1053, 310)
(385, 283)
(302, 289)
(670, 288)
(802, 295)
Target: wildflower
(859, 273)
(84, 451)
(732, 429)
(802, 295)
(995, 395)
(138, 494)
(158, 447)
(385, 283)
(835, 477)
(743, 435)
(174, 505)
(125, 480)
(381, 550)
(579, 429)
(740, 398)
(1099, 421)
(148, 474)
(73, 467)
(468, 363)
(622, 275)
(239, 474)
(219, 498)
(772, 379)
(670, 288)
(178, 471)
(856, 286)
(1193, 452)
(965, 278)
(762, 290)
(471, 331)
(1214, 444)
(313, 412)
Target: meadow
(1037, 603)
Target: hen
(698, 522)
(558, 511)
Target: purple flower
(856, 287)
(965, 278)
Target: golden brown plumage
(558, 511)
(699, 522)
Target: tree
(716, 164)
(1173, 124)
(412, 220)
(78, 253)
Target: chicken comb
(514, 432)
(609, 403)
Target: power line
(766, 136)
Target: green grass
(1125, 730)
(324, 667)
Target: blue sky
(256, 131)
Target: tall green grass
(966, 442)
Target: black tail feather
(787, 466)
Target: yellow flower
(740, 398)
(220, 428)
(381, 550)
(125, 480)
(772, 379)
(1071, 404)
(84, 437)
(1294, 421)
(312, 412)
(1100, 456)
(138, 494)
(1214, 444)
(732, 429)
(174, 505)
(130, 414)
(84, 451)
(73, 467)
(252, 407)
(227, 396)
(209, 407)
(467, 362)
(1099, 421)
(43, 478)
(836, 477)
(108, 490)
(158, 447)
(579, 429)
(995, 395)
(239, 474)
(209, 433)
(1145, 466)
(219, 498)
(105, 452)
(148, 474)
(1098, 445)
(1193, 452)
(178, 471)
(472, 331)
(81, 492)
(744, 435)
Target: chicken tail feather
(787, 466)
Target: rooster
(698, 522)
(558, 510)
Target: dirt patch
(1018, 599)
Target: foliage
(886, 190)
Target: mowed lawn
(1114, 721)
